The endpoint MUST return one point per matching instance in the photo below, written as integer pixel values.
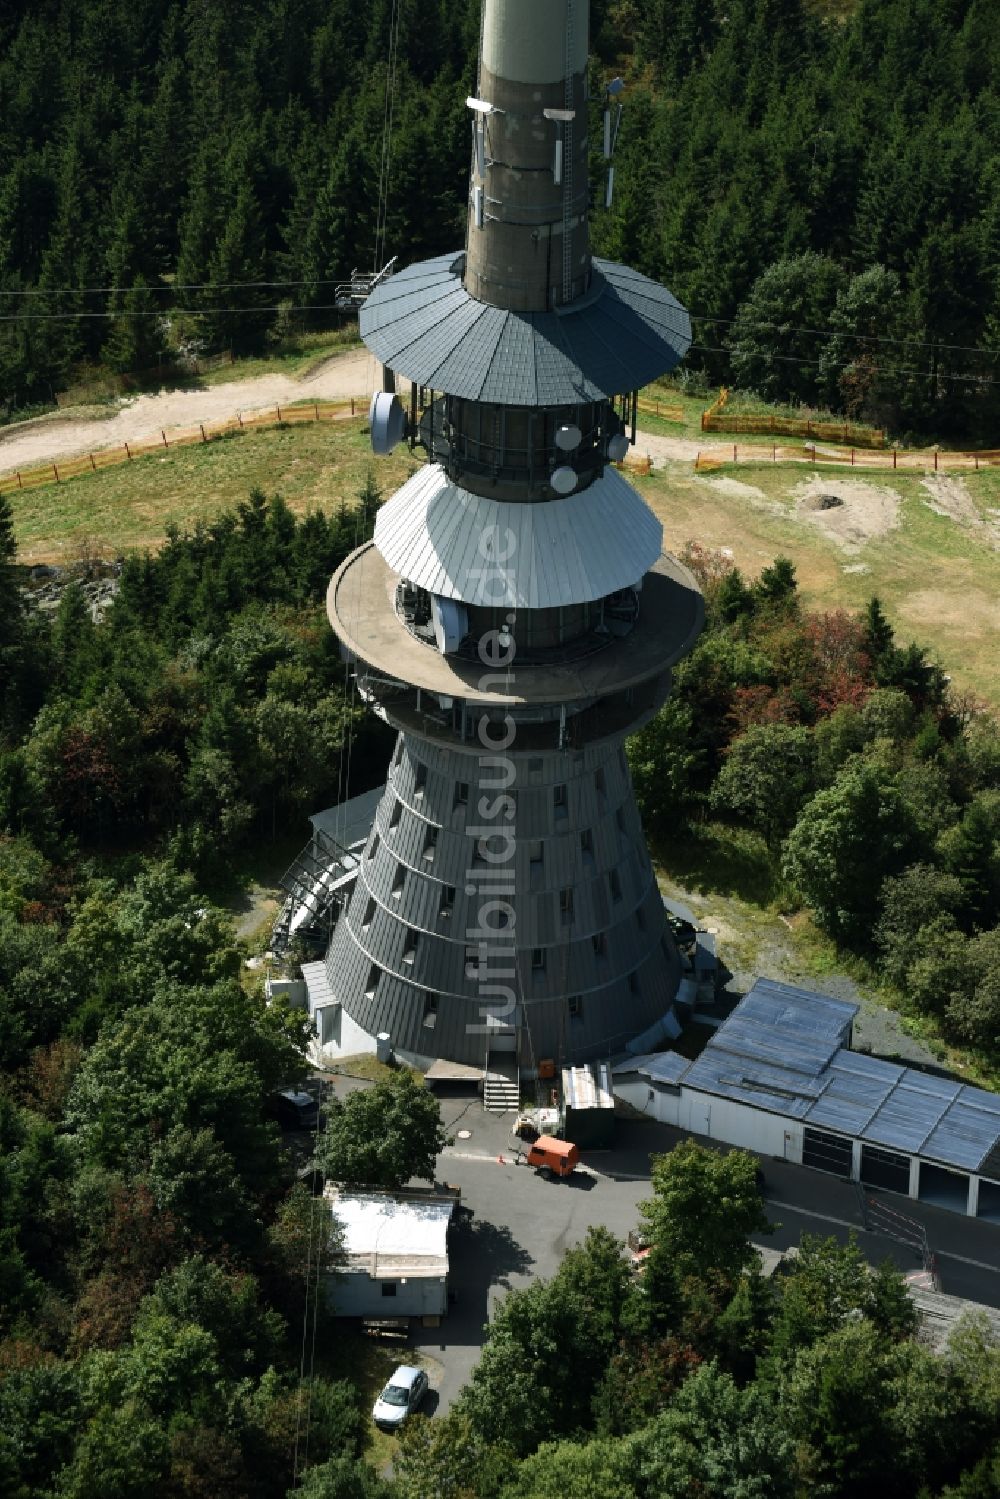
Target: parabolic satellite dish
(387, 420)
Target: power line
(965, 378)
(701, 317)
(77, 291)
(913, 343)
(55, 317)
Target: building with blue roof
(778, 1077)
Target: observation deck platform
(361, 608)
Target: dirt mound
(849, 511)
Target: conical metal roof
(555, 553)
(626, 331)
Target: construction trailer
(588, 1106)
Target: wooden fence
(61, 470)
(920, 461)
(719, 419)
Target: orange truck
(552, 1158)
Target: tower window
(600, 943)
(397, 808)
(374, 974)
(538, 960)
(600, 783)
(398, 880)
(419, 779)
(534, 767)
(559, 802)
(369, 915)
(574, 1006)
(373, 846)
(430, 844)
(461, 794)
(587, 846)
(430, 1011)
(410, 945)
(566, 904)
(614, 880)
(633, 983)
(397, 753)
(447, 900)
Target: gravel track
(142, 418)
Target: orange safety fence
(921, 461)
(718, 419)
(662, 409)
(62, 469)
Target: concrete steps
(500, 1092)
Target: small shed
(396, 1252)
(588, 1106)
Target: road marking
(942, 1254)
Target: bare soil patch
(949, 496)
(849, 512)
(735, 487)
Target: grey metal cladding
(907, 1116)
(399, 892)
(624, 333)
(470, 360)
(510, 379)
(435, 320)
(419, 299)
(432, 349)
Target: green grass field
(313, 466)
(938, 575)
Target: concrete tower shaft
(528, 243)
(514, 618)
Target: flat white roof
(387, 1229)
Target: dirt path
(337, 378)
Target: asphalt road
(520, 1225)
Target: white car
(402, 1395)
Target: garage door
(826, 1152)
(885, 1168)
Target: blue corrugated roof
(661, 1066)
(782, 1050)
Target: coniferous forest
(820, 185)
(783, 165)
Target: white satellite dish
(563, 479)
(617, 447)
(568, 438)
(387, 420)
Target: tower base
(505, 902)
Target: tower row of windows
(574, 1002)
(535, 766)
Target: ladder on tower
(567, 238)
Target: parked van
(552, 1158)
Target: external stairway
(501, 1084)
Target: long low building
(778, 1077)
